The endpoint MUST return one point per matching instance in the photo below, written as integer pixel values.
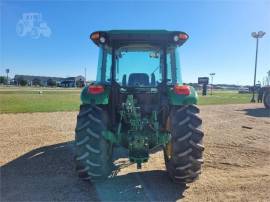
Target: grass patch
(224, 97)
(51, 100)
(32, 101)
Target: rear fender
(88, 98)
(176, 99)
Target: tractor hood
(127, 37)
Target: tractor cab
(139, 59)
(143, 63)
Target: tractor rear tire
(93, 154)
(183, 155)
(266, 98)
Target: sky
(220, 35)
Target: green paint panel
(176, 99)
(111, 137)
(102, 98)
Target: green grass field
(30, 100)
(15, 101)
(224, 97)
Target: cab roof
(127, 37)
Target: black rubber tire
(185, 160)
(93, 154)
(266, 98)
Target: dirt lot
(37, 161)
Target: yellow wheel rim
(168, 150)
(168, 147)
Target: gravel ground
(37, 161)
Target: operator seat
(138, 79)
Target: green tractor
(139, 102)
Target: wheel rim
(168, 150)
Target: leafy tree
(51, 83)
(266, 80)
(36, 82)
(3, 79)
(22, 82)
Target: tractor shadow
(140, 186)
(257, 112)
(48, 174)
(45, 174)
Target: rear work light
(102, 39)
(182, 90)
(95, 89)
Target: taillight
(95, 89)
(182, 90)
(183, 36)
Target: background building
(29, 80)
(78, 81)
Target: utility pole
(7, 72)
(256, 35)
(212, 78)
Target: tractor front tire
(183, 154)
(93, 154)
